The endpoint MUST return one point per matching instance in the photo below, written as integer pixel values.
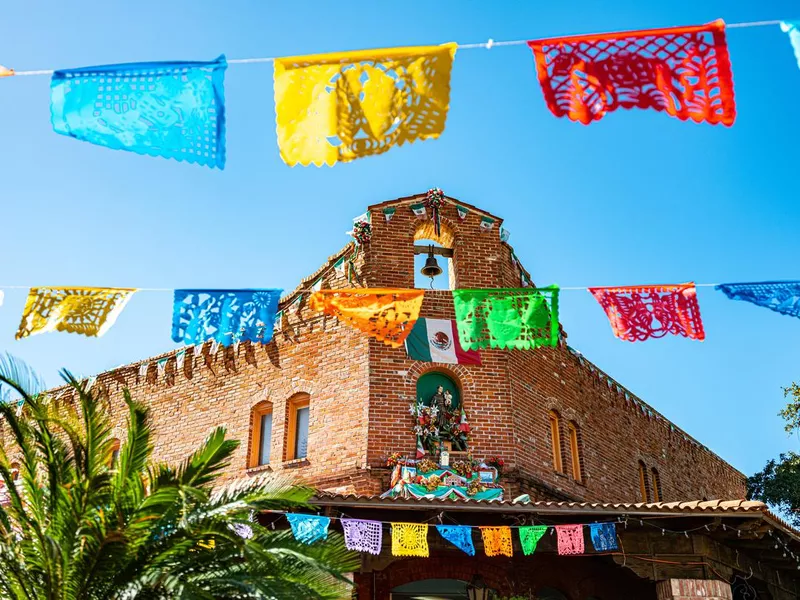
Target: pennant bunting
(570, 539)
(308, 528)
(88, 311)
(638, 313)
(410, 539)
(793, 29)
(180, 356)
(167, 109)
(384, 314)
(363, 536)
(342, 106)
(224, 316)
(161, 367)
(519, 319)
(338, 266)
(504, 234)
(436, 340)
(143, 369)
(604, 536)
(683, 71)
(418, 209)
(458, 535)
(388, 213)
(497, 541)
(780, 296)
(462, 212)
(529, 537)
(213, 347)
(317, 285)
(487, 223)
(198, 349)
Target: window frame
(655, 484)
(644, 487)
(554, 420)
(259, 410)
(296, 402)
(573, 429)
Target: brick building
(327, 404)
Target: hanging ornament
(388, 213)
(462, 212)
(434, 200)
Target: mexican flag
(436, 340)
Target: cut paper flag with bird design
(167, 109)
(308, 528)
(519, 319)
(85, 310)
(338, 107)
(793, 29)
(604, 536)
(683, 71)
(638, 313)
(385, 314)
(436, 340)
(224, 316)
(458, 535)
(363, 536)
(780, 296)
(410, 539)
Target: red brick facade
(360, 390)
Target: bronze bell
(431, 268)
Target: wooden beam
(448, 252)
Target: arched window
(644, 488)
(575, 451)
(439, 393)
(555, 440)
(656, 485)
(260, 434)
(443, 243)
(115, 445)
(299, 420)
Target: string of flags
(514, 318)
(341, 106)
(411, 539)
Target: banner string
(487, 45)
(308, 289)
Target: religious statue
(447, 420)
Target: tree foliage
(75, 527)
(778, 484)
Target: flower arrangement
(362, 232)
(396, 458)
(426, 465)
(496, 462)
(432, 425)
(465, 468)
(434, 200)
(475, 487)
(432, 482)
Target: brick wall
(360, 390)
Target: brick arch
(418, 569)
(425, 229)
(457, 373)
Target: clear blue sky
(636, 198)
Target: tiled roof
(695, 508)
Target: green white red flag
(436, 340)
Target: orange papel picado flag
(383, 313)
(338, 107)
(85, 310)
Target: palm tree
(74, 526)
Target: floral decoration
(396, 458)
(465, 468)
(475, 487)
(432, 482)
(426, 465)
(496, 462)
(432, 425)
(434, 200)
(362, 232)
